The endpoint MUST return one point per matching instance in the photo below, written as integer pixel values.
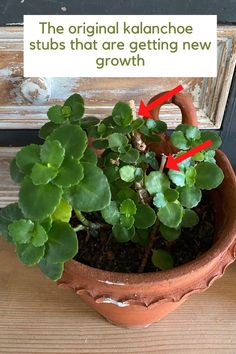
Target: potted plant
(99, 212)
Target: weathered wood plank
(8, 190)
(16, 112)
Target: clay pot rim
(217, 250)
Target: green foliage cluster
(124, 185)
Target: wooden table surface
(37, 317)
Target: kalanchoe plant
(122, 185)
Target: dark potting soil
(104, 252)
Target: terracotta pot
(137, 300)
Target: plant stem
(148, 249)
(82, 218)
(79, 228)
(163, 162)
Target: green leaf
(100, 144)
(16, 174)
(42, 174)
(118, 129)
(111, 213)
(177, 177)
(47, 129)
(38, 202)
(52, 153)
(178, 139)
(190, 176)
(141, 237)
(74, 99)
(209, 175)
(70, 173)
(76, 103)
(89, 156)
(190, 218)
(29, 254)
(66, 111)
(89, 121)
(144, 217)
(137, 123)
(209, 156)
(47, 224)
(93, 192)
(189, 197)
(72, 138)
(215, 138)
(52, 271)
(162, 259)
(171, 214)
(102, 129)
(127, 221)
(128, 207)
(198, 157)
(112, 173)
(130, 156)
(150, 123)
(157, 182)
(185, 163)
(9, 214)
(27, 157)
(63, 212)
(62, 243)
(150, 158)
(55, 114)
(127, 173)
(125, 193)
(122, 114)
(117, 142)
(192, 133)
(159, 200)
(169, 234)
(21, 230)
(161, 127)
(122, 234)
(171, 195)
(39, 236)
(138, 174)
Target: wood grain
(209, 94)
(36, 317)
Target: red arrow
(172, 163)
(145, 110)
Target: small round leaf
(190, 218)
(21, 230)
(52, 153)
(111, 213)
(38, 202)
(171, 214)
(29, 254)
(189, 197)
(128, 207)
(127, 173)
(122, 234)
(157, 182)
(162, 259)
(144, 217)
(70, 173)
(42, 174)
(62, 243)
(52, 271)
(209, 175)
(169, 234)
(72, 138)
